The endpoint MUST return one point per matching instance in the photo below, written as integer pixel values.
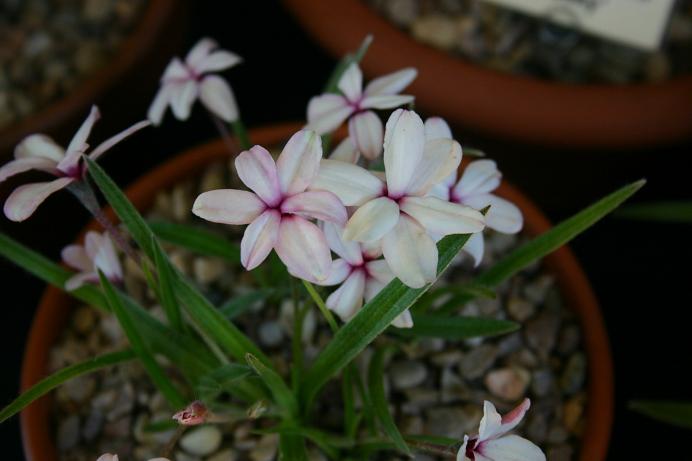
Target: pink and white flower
(97, 254)
(185, 81)
(112, 457)
(278, 210)
(328, 111)
(40, 152)
(398, 210)
(494, 444)
(361, 274)
(473, 189)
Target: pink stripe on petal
(257, 170)
(367, 133)
(317, 204)
(303, 249)
(299, 162)
(259, 239)
(514, 417)
(25, 199)
(228, 206)
(217, 96)
(25, 164)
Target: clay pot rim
(519, 108)
(55, 305)
(130, 53)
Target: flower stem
(228, 140)
(241, 134)
(321, 305)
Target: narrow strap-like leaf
(455, 328)
(197, 240)
(166, 279)
(671, 211)
(157, 375)
(675, 413)
(283, 397)
(243, 303)
(56, 379)
(220, 380)
(292, 448)
(379, 400)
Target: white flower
(278, 210)
(97, 254)
(183, 82)
(361, 274)
(328, 111)
(398, 210)
(473, 189)
(492, 442)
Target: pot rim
(131, 52)
(515, 107)
(54, 306)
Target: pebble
(541, 332)
(508, 383)
(208, 270)
(407, 374)
(68, 433)
(201, 441)
(436, 30)
(572, 412)
(560, 453)
(270, 333)
(474, 364)
(569, 339)
(573, 376)
(266, 448)
(227, 454)
(520, 309)
(402, 12)
(542, 382)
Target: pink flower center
(471, 449)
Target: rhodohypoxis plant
(391, 239)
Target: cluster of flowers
(381, 224)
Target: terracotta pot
(135, 66)
(54, 308)
(499, 104)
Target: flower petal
(183, 95)
(503, 216)
(21, 165)
(257, 169)
(403, 149)
(217, 96)
(327, 112)
(106, 259)
(380, 271)
(479, 177)
(441, 158)
(200, 52)
(372, 288)
(403, 320)
(259, 239)
(349, 250)
(79, 140)
(391, 83)
(216, 61)
(339, 271)
(113, 140)
(159, 104)
(25, 199)
(348, 298)
(41, 146)
(303, 249)
(107, 457)
(510, 447)
(475, 246)
(437, 128)
(410, 253)
(317, 204)
(491, 423)
(514, 417)
(175, 71)
(351, 82)
(228, 206)
(367, 133)
(76, 257)
(441, 217)
(346, 151)
(299, 162)
(372, 220)
(385, 101)
(371, 250)
(352, 184)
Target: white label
(638, 23)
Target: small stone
(411, 425)
(569, 339)
(212, 179)
(537, 428)
(266, 448)
(180, 261)
(541, 332)
(224, 455)
(447, 358)
(97, 10)
(104, 400)
(574, 374)
(79, 389)
(436, 30)
(270, 333)
(68, 433)
(453, 387)
(560, 453)
(182, 456)
(445, 421)
(542, 382)
(402, 12)
(557, 434)
(208, 270)
(92, 425)
(572, 412)
(476, 363)
(201, 441)
(182, 202)
(508, 383)
(523, 357)
(84, 319)
(509, 344)
(111, 328)
(117, 429)
(537, 290)
(520, 309)
(407, 374)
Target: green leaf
(166, 278)
(243, 303)
(675, 413)
(56, 379)
(197, 240)
(671, 211)
(455, 293)
(379, 400)
(157, 375)
(122, 206)
(434, 439)
(550, 241)
(220, 380)
(454, 328)
(292, 448)
(372, 320)
(283, 397)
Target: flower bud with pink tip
(194, 414)
(97, 254)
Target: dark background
(639, 271)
